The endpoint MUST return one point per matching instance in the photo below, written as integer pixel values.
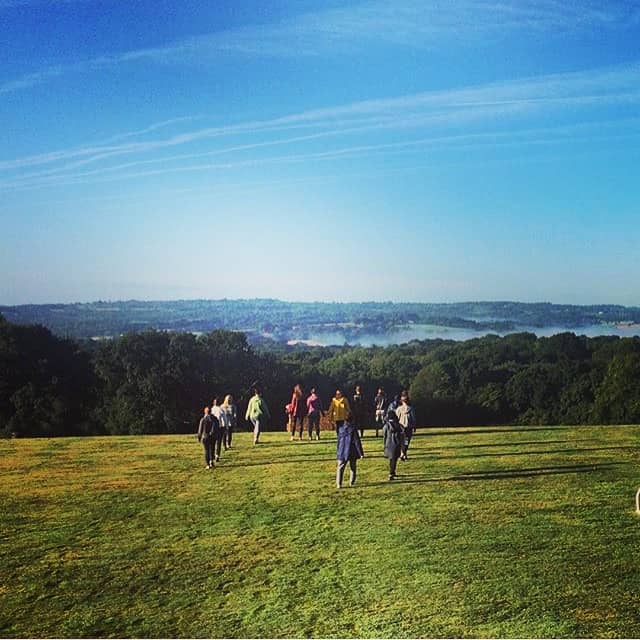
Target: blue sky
(374, 150)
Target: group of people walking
(219, 421)
(395, 418)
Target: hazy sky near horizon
(372, 150)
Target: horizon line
(309, 302)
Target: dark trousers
(207, 443)
(405, 443)
(218, 435)
(393, 463)
(297, 420)
(228, 434)
(313, 421)
(340, 471)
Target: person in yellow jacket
(339, 410)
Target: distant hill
(269, 320)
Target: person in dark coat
(205, 435)
(359, 409)
(393, 438)
(380, 402)
(349, 450)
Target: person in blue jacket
(349, 450)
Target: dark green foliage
(158, 381)
(47, 384)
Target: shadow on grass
(434, 455)
(465, 431)
(287, 460)
(518, 443)
(296, 459)
(426, 454)
(500, 474)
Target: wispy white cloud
(408, 23)
(614, 85)
(430, 118)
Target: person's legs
(228, 435)
(208, 455)
(405, 445)
(217, 443)
(340, 472)
(256, 429)
(393, 463)
(352, 475)
(313, 421)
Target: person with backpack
(258, 413)
(407, 418)
(349, 450)
(205, 436)
(393, 439)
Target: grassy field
(527, 532)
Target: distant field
(506, 531)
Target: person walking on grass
(339, 410)
(258, 413)
(407, 418)
(359, 410)
(314, 411)
(380, 403)
(349, 450)
(230, 418)
(298, 410)
(205, 436)
(219, 427)
(393, 439)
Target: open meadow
(489, 531)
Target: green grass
(510, 532)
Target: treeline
(157, 382)
(279, 321)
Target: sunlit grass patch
(487, 532)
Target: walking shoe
(217, 458)
(392, 477)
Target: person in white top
(229, 412)
(407, 419)
(218, 434)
